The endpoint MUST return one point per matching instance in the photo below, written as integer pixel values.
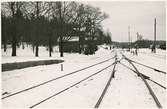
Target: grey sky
(139, 15)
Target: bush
(163, 46)
(90, 49)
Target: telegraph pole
(131, 42)
(154, 35)
(129, 36)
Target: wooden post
(61, 67)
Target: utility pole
(131, 42)
(137, 34)
(154, 36)
(129, 36)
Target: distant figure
(136, 49)
(153, 48)
(133, 52)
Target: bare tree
(37, 11)
(36, 22)
(14, 10)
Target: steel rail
(51, 80)
(106, 87)
(149, 67)
(70, 86)
(148, 86)
(145, 76)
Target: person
(133, 52)
(153, 48)
(136, 49)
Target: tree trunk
(50, 52)
(36, 52)
(50, 47)
(61, 31)
(14, 44)
(14, 41)
(61, 46)
(33, 47)
(5, 46)
(37, 29)
(23, 46)
(79, 45)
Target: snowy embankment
(20, 65)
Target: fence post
(61, 67)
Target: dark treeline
(142, 44)
(149, 43)
(52, 23)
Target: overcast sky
(138, 15)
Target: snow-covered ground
(159, 53)
(129, 91)
(28, 55)
(126, 90)
(157, 61)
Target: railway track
(107, 85)
(71, 86)
(148, 66)
(103, 93)
(101, 97)
(54, 79)
(146, 83)
(142, 76)
(145, 76)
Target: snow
(126, 90)
(152, 61)
(126, 84)
(159, 53)
(146, 57)
(90, 89)
(28, 55)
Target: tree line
(144, 43)
(52, 23)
